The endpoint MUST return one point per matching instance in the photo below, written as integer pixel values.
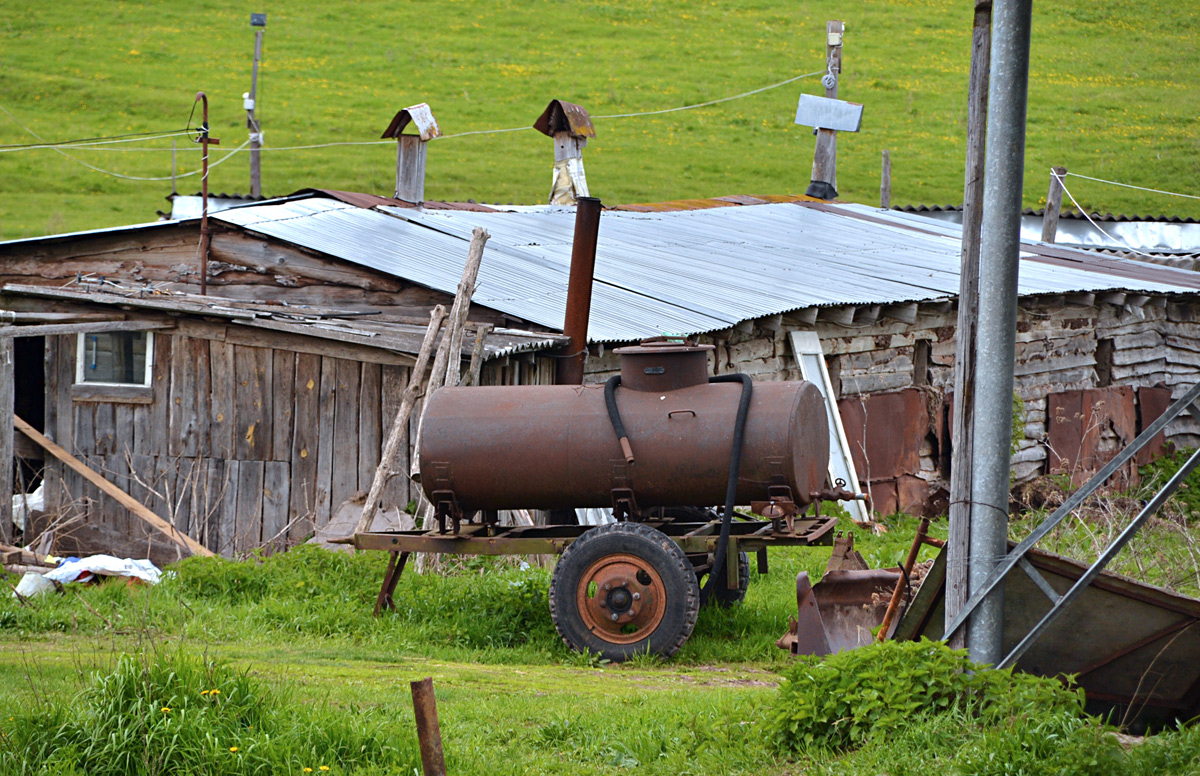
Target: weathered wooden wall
(239, 447)
(240, 267)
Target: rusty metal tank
(554, 447)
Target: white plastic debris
(105, 565)
(33, 584)
(24, 503)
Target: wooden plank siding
(241, 447)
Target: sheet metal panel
(663, 272)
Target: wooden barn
(775, 283)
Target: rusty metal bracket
(624, 504)
(395, 567)
(447, 506)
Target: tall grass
(174, 714)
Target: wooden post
(824, 171)
(1053, 204)
(477, 354)
(462, 306)
(6, 439)
(968, 305)
(391, 450)
(429, 733)
(885, 182)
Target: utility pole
(258, 21)
(958, 541)
(824, 170)
(999, 263)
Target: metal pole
(958, 542)
(204, 234)
(998, 267)
(579, 291)
(252, 121)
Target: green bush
(181, 715)
(846, 699)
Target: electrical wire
(1099, 228)
(93, 141)
(1131, 186)
(711, 102)
(88, 142)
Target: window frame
(93, 390)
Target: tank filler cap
(664, 364)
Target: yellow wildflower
(233, 748)
(166, 709)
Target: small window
(115, 358)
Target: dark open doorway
(29, 403)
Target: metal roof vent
(570, 126)
(410, 150)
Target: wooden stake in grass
(429, 734)
(396, 437)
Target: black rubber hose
(614, 415)
(735, 465)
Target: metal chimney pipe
(569, 370)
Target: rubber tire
(721, 594)
(681, 590)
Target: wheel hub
(621, 598)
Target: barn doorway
(29, 403)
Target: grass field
(1111, 95)
(512, 699)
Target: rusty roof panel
(561, 116)
(419, 114)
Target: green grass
(1110, 96)
(295, 634)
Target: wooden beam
(905, 313)
(866, 314)
(52, 317)
(6, 439)
(124, 499)
(842, 315)
(51, 329)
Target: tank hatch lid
(663, 364)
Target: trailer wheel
(722, 595)
(624, 589)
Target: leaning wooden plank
(449, 357)
(121, 496)
(449, 352)
(391, 452)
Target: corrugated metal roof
(682, 272)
